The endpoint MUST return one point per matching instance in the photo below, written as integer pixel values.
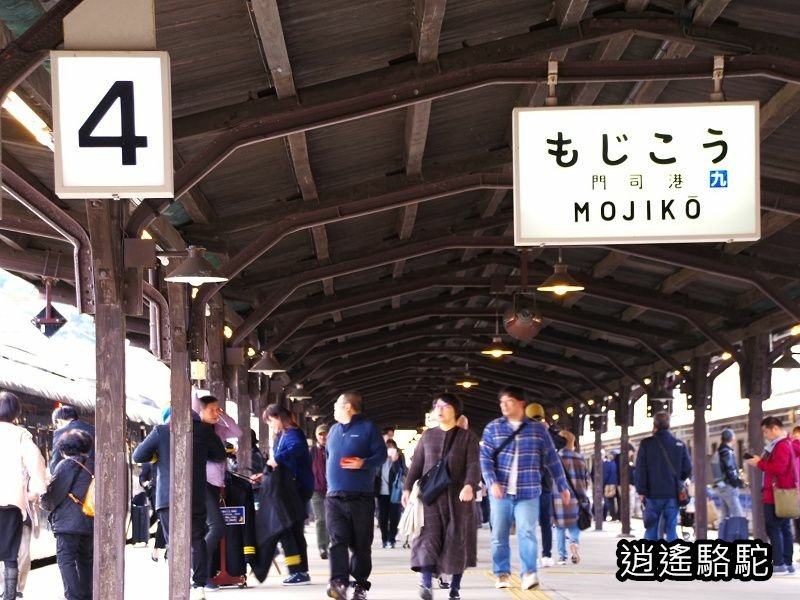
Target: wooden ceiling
(348, 163)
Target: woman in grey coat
(443, 544)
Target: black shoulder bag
(682, 493)
(436, 480)
(507, 441)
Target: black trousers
(74, 555)
(215, 524)
(295, 548)
(350, 525)
(388, 519)
(199, 552)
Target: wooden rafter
(706, 13)
(273, 43)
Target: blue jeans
(656, 509)
(525, 513)
(574, 538)
(780, 536)
(729, 500)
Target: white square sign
(634, 174)
(112, 121)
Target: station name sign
(112, 124)
(636, 174)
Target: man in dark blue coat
(206, 446)
(355, 452)
(65, 418)
(661, 465)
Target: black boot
(11, 574)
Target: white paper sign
(634, 174)
(112, 118)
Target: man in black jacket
(728, 486)
(206, 446)
(661, 465)
(65, 418)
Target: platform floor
(592, 579)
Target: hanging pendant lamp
(560, 282)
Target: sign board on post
(112, 121)
(634, 174)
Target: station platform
(592, 579)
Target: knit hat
(534, 410)
(728, 434)
(321, 428)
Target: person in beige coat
(22, 472)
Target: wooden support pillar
(698, 393)
(111, 475)
(180, 492)
(598, 480)
(264, 399)
(242, 398)
(215, 348)
(755, 381)
(624, 418)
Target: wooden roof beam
(194, 201)
(426, 28)
(327, 213)
(339, 101)
(775, 112)
(736, 268)
(273, 42)
(646, 336)
(705, 14)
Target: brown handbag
(787, 500)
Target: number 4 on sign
(127, 141)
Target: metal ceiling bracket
(716, 76)
(552, 81)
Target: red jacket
(777, 469)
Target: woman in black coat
(72, 528)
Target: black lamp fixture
(496, 349)
(195, 270)
(297, 392)
(267, 365)
(560, 282)
(467, 381)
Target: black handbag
(584, 507)
(436, 480)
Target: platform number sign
(112, 124)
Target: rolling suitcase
(732, 529)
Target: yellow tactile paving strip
(516, 592)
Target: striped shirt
(535, 450)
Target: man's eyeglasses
(440, 405)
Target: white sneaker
(547, 561)
(529, 580)
(502, 581)
(562, 560)
(197, 593)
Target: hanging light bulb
(560, 282)
(467, 382)
(496, 349)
